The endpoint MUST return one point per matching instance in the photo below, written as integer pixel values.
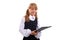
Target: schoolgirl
(29, 24)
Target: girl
(29, 24)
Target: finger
(35, 33)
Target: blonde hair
(32, 5)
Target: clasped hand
(34, 33)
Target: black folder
(42, 28)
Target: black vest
(31, 25)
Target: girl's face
(32, 11)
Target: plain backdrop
(12, 11)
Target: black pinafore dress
(32, 25)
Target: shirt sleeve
(39, 33)
(25, 32)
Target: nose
(33, 10)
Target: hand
(34, 33)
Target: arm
(25, 32)
(39, 33)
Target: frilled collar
(32, 18)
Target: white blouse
(27, 32)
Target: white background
(11, 12)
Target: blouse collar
(32, 18)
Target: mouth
(32, 12)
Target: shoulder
(23, 19)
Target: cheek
(30, 11)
